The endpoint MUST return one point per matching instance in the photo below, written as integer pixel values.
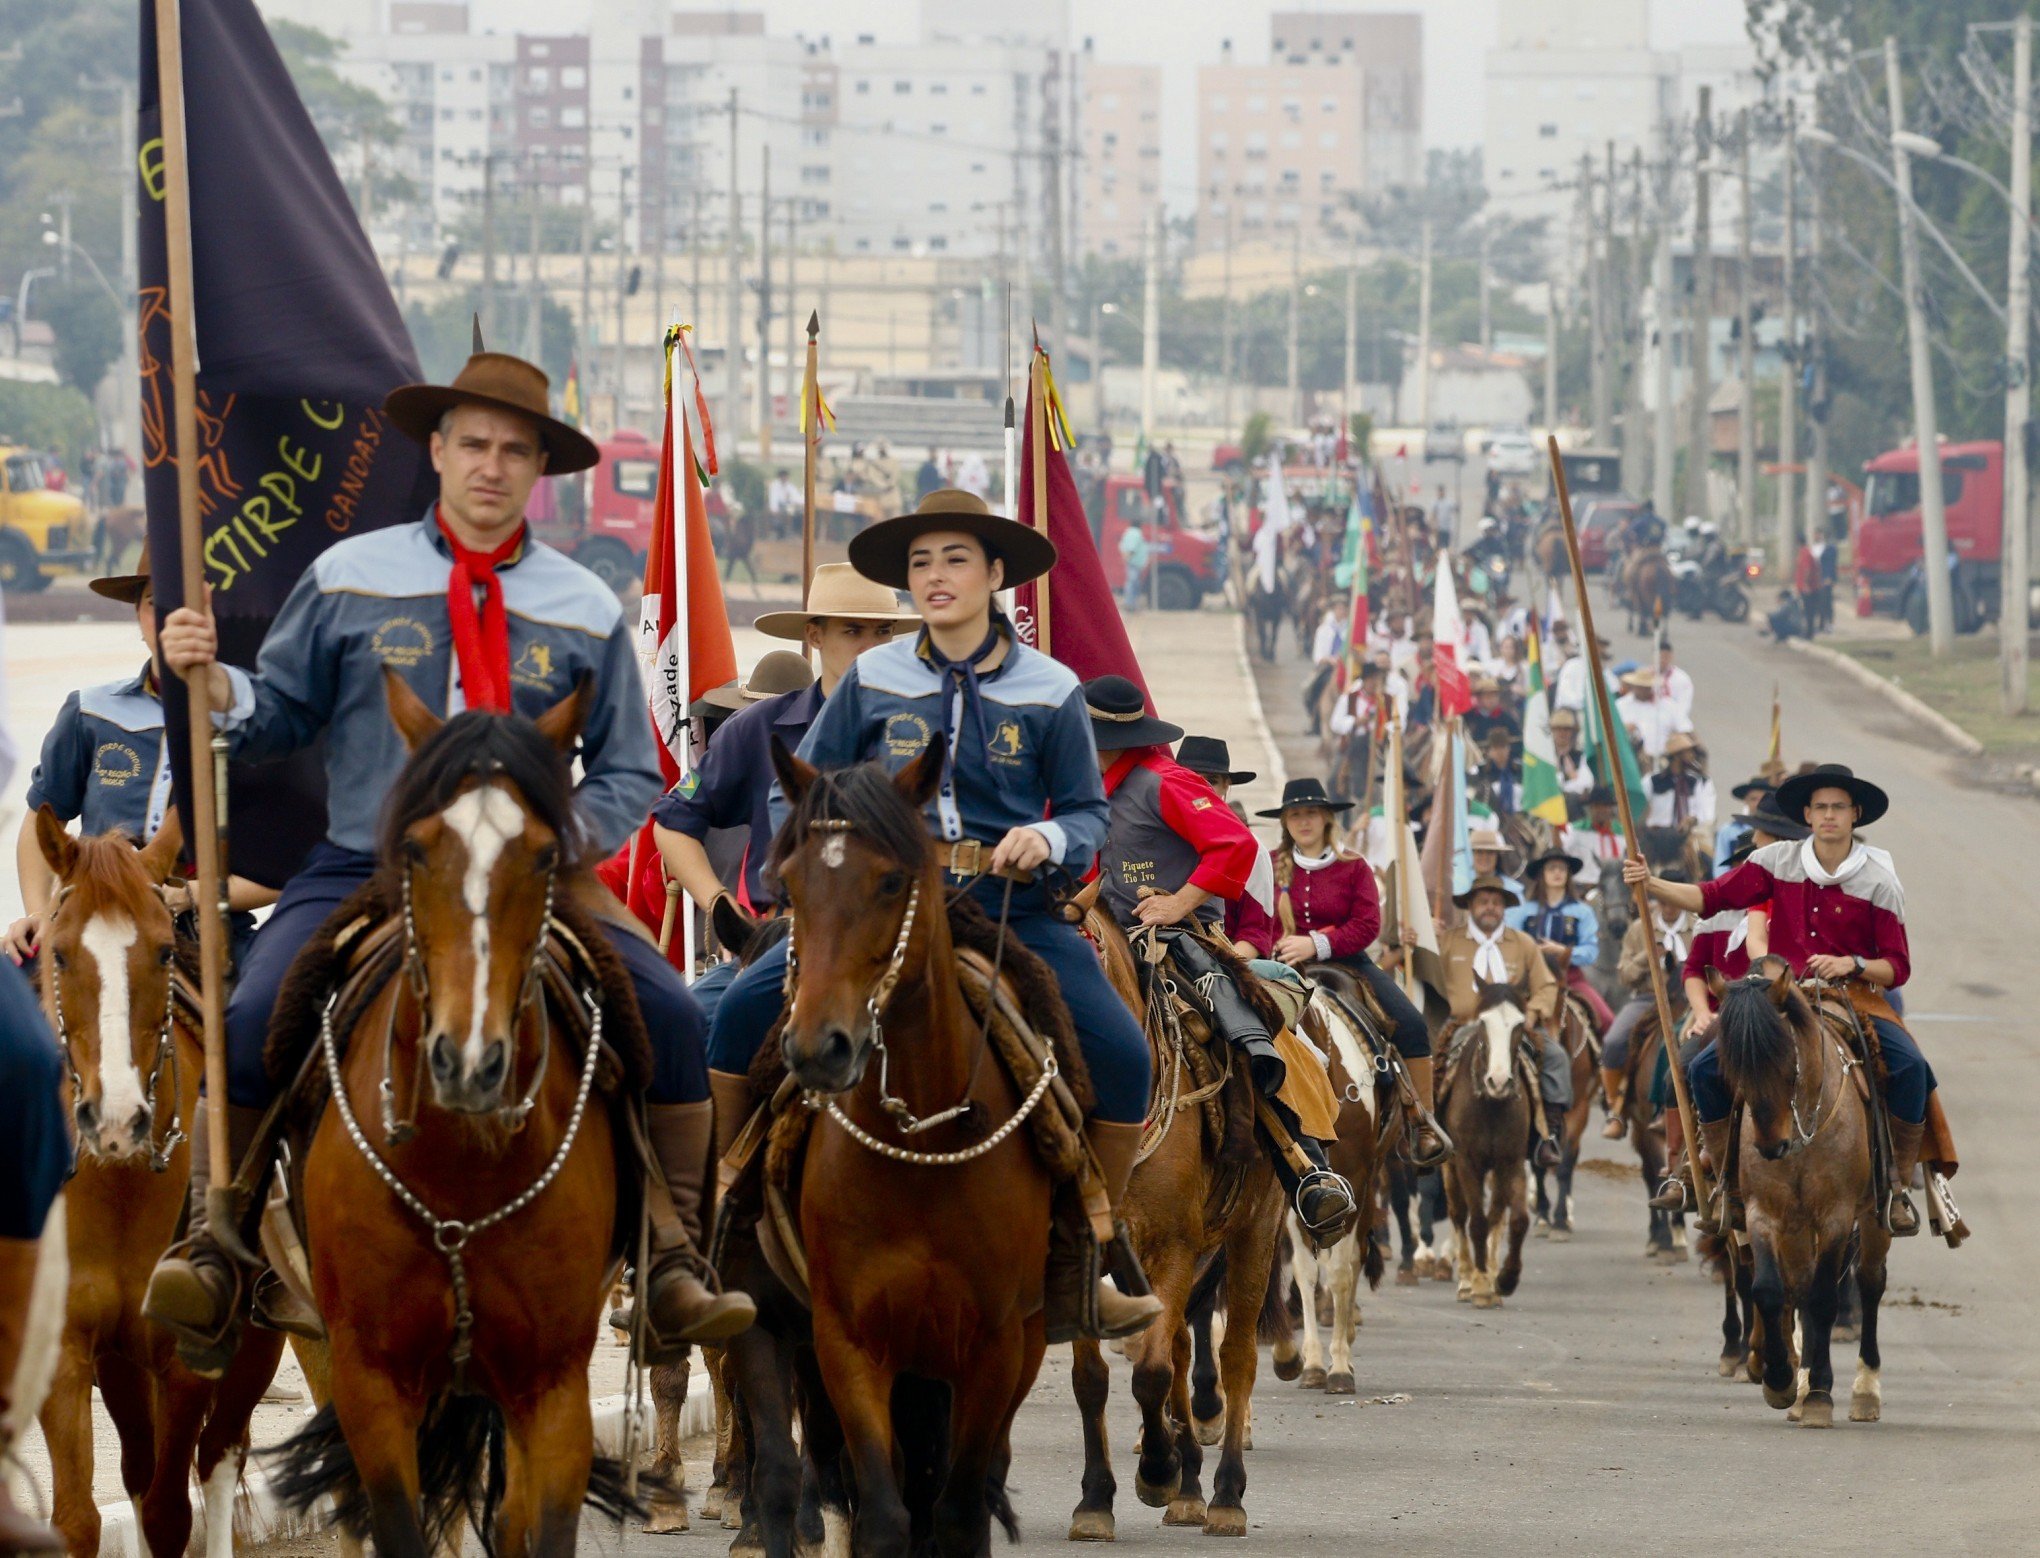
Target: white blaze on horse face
(1501, 1023)
(832, 851)
(484, 819)
(109, 938)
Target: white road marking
(109, 938)
(484, 820)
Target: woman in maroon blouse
(1328, 909)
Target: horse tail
(1372, 1265)
(1755, 1045)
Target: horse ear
(563, 723)
(57, 845)
(918, 780)
(794, 775)
(1083, 901)
(1716, 985)
(159, 855)
(1492, 995)
(734, 928)
(414, 722)
(1781, 982)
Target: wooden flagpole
(811, 420)
(203, 829)
(1037, 430)
(1599, 681)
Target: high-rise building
(1120, 155)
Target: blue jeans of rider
(329, 876)
(1911, 1078)
(1115, 1050)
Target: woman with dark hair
(1328, 910)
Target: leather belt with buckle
(973, 857)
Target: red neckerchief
(481, 640)
(1123, 765)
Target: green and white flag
(1543, 795)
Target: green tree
(354, 122)
(48, 416)
(87, 327)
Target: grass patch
(1963, 686)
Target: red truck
(1889, 551)
(610, 537)
(1188, 564)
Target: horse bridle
(174, 1135)
(1802, 1135)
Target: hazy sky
(1180, 37)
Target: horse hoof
(1311, 1379)
(1486, 1301)
(1865, 1409)
(1092, 1525)
(1818, 1410)
(1678, 1254)
(1846, 1333)
(712, 1502)
(1340, 1384)
(1442, 1272)
(1288, 1368)
(1653, 1250)
(1405, 1277)
(733, 1516)
(1731, 1365)
(1184, 1512)
(1540, 1229)
(1562, 1234)
(1465, 1292)
(666, 1519)
(1225, 1521)
(1208, 1430)
(748, 1547)
(1780, 1400)
(1157, 1495)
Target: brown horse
(926, 1249)
(1806, 1181)
(118, 1000)
(1576, 1037)
(456, 1155)
(1487, 1114)
(1647, 589)
(1194, 1198)
(1647, 1131)
(1547, 549)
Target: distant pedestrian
(1134, 551)
(929, 478)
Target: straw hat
(879, 551)
(1679, 742)
(1640, 680)
(779, 671)
(507, 383)
(840, 591)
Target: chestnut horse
(110, 972)
(926, 1249)
(1806, 1181)
(1647, 589)
(1182, 1215)
(1555, 1206)
(460, 1241)
(1487, 1114)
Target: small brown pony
(926, 1249)
(462, 1308)
(1647, 589)
(1196, 1196)
(1487, 1114)
(109, 981)
(1806, 1182)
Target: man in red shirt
(1837, 912)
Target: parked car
(1511, 453)
(1599, 519)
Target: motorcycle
(1696, 592)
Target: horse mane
(476, 744)
(108, 872)
(1757, 1040)
(865, 797)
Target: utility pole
(1635, 447)
(130, 292)
(1816, 381)
(585, 343)
(1487, 321)
(1611, 296)
(659, 320)
(1352, 364)
(1700, 339)
(733, 334)
(1788, 387)
(1663, 466)
(1150, 323)
(765, 304)
(695, 244)
(1746, 349)
(794, 353)
(622, 285)
(1424, 334)
(2013, 619)
(488, 246)
(1933, 509)
(1225, 322)
(1550, 357)
(534, 332)
(1598, 404)
(1295, 380)
(1052, 156)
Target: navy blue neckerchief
(962, 676)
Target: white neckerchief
(1488, 962)
(1739, 935)
(1312, 862)
(1672, 937)
(1860, 855)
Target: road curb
(1906, 703)
(258, 1517)
(1257, 716)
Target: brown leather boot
(1429, 1145)
(1120, 1313)
(1611, 1089)
(21, 1533)
(682, 1304)
(198, 1292)
(1905, 1153)
(731, 1095)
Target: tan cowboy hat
(1640, 680)
(779, 671)
(1680, 742)
(1564, 717)
(1487, 838)
(124, 587)
(838, 590)
(879, 551)
(1489, 882)
(507, 383)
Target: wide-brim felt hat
(1488, 883)
(1600, 795)
(1211, 757)
(879, 551)
(1306, 792)
(837, 590)
(777, 671)
(124, 587)
(1794, 795)
(1766, 816)
(1762, 784)
(508, 384)
(1533, 868)
(1120, 719)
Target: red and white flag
(1448, 648)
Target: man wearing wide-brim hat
(1597, 839)
(1651, 720)
(1680, 791)
(844, 616)
(1018, 791)
(470, 611)
(1575, 773)
(1837, 912)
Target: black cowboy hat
(1533, 869)
(1600, 795)
(1762, 784)
(1212, 758)
(880, 551)
(1488, 883)
(1766, 816)
(1741, 852)
(1794, 795)
(508, 384)
(1306, 792)
(1119, 716)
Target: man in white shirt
(783, 503)
(1680, 791)
(1569, 691)
(1674, 685)
(1652, 720)
(1597, 841)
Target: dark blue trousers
(1912, 1079)
(329, 876)
(1114, 1048)
(35, 1146)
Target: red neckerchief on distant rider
(481, 640)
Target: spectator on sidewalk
(1134, 551)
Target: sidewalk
(1955, 699)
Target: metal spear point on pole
(1599, 681)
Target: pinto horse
(1806, 1182)
(110, 976)
(926, 1250)
(432, 1197)
(1487, 1114)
